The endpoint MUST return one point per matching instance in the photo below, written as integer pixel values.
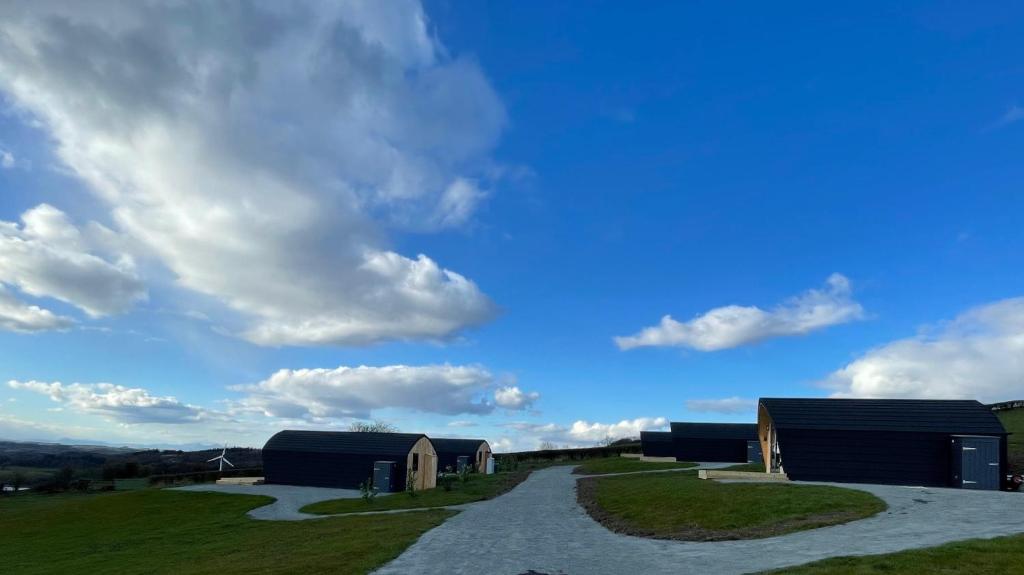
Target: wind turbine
(222, 459)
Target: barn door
(979, 461)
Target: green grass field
(626, 465)
(680, 506)
(1013, 421)
(975, 557)
(29, 475)
(158, 531)
(477, 488)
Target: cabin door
(977, 460)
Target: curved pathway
(288, 499)
(539, 526)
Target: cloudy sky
(529, 223)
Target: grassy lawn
(626, 465)
(478, 488)
(680, 506)
(975, 557)
(158, 531)
(1013, 421)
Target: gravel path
(289, 498)
(539, 526)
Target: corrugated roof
(444, 445)
(746, 431)
(922, 415)
(656, 436)
(378, 444)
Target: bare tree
(547, 446)
(375, 426)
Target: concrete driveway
(289, 498)
(539, 526)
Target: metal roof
(656, 436)
(349, 442)
(444, 445)
(921, 415)
(746, 431)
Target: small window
(415, 461)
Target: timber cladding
(896, 442)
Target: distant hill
(39, 461)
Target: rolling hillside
(1013, 421)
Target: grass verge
(626, 465)
(680, 506)
(974, 557)
(754, 467)
(157, 531)
(477, 488)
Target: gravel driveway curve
(539, 526)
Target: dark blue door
(977, 458)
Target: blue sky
(257, 202)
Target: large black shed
(346, 459)
(477, 452)
(925, 442)
(712, 441)
(657, 444)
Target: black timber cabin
(657, 444)
(476, 452)
(345, 459)
(713, 441)
(936, 443)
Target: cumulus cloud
(462, 423)
(511, 397)
(358, 391)
(119, 403)
(48, 256)
(733, 326)
(7, 161)
(262, 151)
(978, 355)
(21, 317)
(730, 405)
(581, 433)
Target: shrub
(367, 490)
(410, 483)
(464, 474)
(446, 478)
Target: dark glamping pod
(476, 452)
(657, 444)
(936, 443)
(712, 441)
(346, 459)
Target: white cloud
(7, 161)
(733, 326)
(261, 152)
(580, 434)
(730, 405)
(116, 402)
(21, 317)
(511, 397)
(47, 256)
(358, 391)
(1013, 114)
(979, 355)
(462, 423)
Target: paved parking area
(289, 498)
(539, 526)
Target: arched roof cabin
(346, 459)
